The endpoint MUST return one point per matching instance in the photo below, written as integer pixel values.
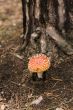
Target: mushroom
(38, 64)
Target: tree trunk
(47, 18)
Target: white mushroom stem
(40, 75)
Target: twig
(69, 100)
(18, 56)
(56, 79)
(15, 83)
(55, 84)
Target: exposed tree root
(60, 41)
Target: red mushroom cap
(39, 63)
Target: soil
(17, 90)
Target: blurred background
(10, 19)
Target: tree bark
(46, 18)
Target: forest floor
(17, 90)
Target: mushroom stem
(40, 75)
